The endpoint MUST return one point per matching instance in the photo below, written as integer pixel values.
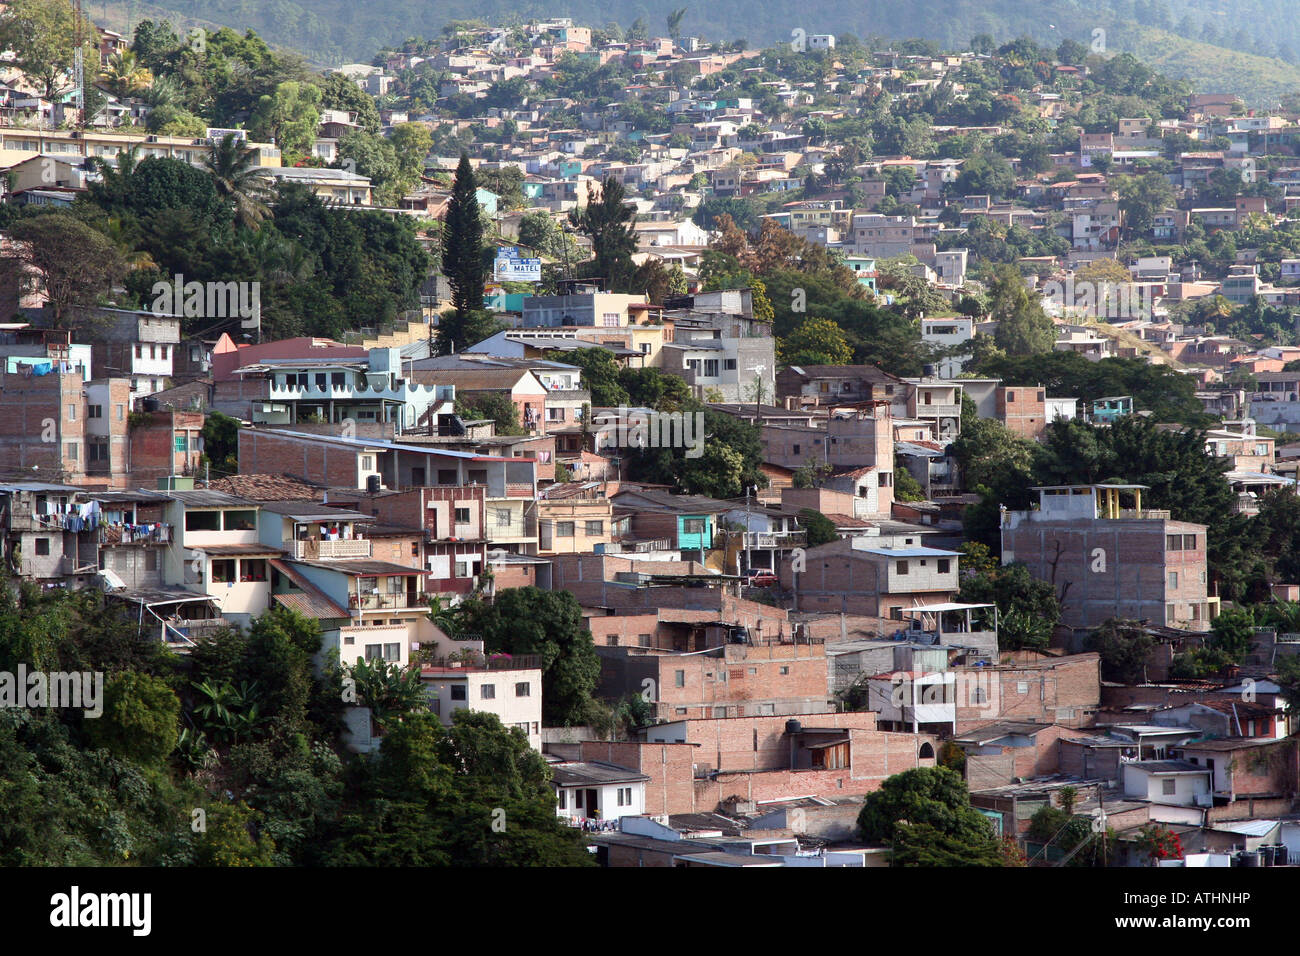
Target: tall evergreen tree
(462, 255)
(608, 222)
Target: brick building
(774, 758)
(1108, 560)
(1055, 690)
(164, 443)
(734, 680)
(857, 576)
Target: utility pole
(79, 65)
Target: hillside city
(557, 445)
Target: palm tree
(675, 24)
(238, 181)
(115, 179)
(124, 76)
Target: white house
(594, 790)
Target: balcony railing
(780, 539)
(377, 602)
(476, 660)
(313, 550)
(937, 411)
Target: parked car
(761, 579)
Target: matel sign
(509, 267)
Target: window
(488, 691)
(710, 368)
(679, 678)
(643, 640)
(252, 569)
(796, 449)
(1173, 579)
(239, 520)
(42, 546)
(374, 652)
(180, 444)
(610, 319)
(1168, 787)
(223, 571)
(692, 526)
(119, 412)
(1022, 687)
(367, 462)
(97, 451)
(943, 565)
(462, 516)
(462, 569)
(785, 670)
(564, 799)
(94, 411)
(564, 529)
(203, 521)
(392, 652)
(901, 567)
(729, 364)
(523, 689)
(458, 692)
(503, 517)
(70, 451)
(595, 527)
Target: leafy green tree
(42, 36)
(816, 341)
(140, 718)
(495, 407)
(221, 443)
(1023, 327)
(411, 145)
(820, 529)
(228, 839)
(289, 117)
(925, 816)
(1124, 647)
(1142, 198)
(548, 624)
(337, 92)
(73, 264)
(369, 154)
(1028, 609)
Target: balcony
(938, 411)
(380, 602)
(314, 550)
(779, 539)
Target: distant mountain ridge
(1247, 47)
